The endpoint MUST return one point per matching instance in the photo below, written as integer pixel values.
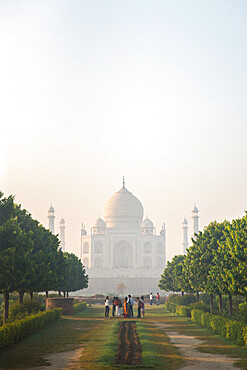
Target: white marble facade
(123, 248)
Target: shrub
(196, 315)
(206, 319)
(242, 312)
(20, 310)
(200, 306)
(184, 300)
(184, 311)
(235, 331)
(79, 307)
(13, 332)
(245, 335)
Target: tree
(172, 277)
(72, 275)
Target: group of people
(151, 298)
(124, 309)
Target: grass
(157, 350)
(97, 337)
(64, 335)
(213, 343)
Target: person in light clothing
(107, 307)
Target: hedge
(234, 330)
(79, 307)
(183, 311)
(19, 329)
(179, 310)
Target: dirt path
(129, 350)
(62, 360)
(196, 359)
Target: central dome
(123, 210)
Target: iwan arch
(123, 248)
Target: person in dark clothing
(131, 302)
(138, 307)
(113, 307)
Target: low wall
(58, 302)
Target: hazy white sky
(155, 90)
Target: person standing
(117, 303)
(131, 303)
(114, 307)
(151, 298)
(158, 299)
(107, 307)
(142, 306)
(138, 307)
(125, 307)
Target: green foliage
(183, 300)
(184, 311)
(30, 258)
(173, 278)
(242, 312)
(13, 332)
(171, 306)
(196, 315)
(78, 307)
(200, 306)
(234, 331)
(27, 307)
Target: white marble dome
(123, 210)
(99, 223)
(147, 223)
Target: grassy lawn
(64, 335)
(213, 343)
(97, 339)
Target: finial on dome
(123, 182)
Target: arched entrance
(123, 255)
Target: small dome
(99, 223)
(51, 209)
(195, 209)
(147, 223)
(185, 221)
(62, 221)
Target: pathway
(79, 342)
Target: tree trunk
(67, 294)
(6, 307)
(46, 294)
(59, 293)
(21, 295)
(197, 297)
(230, 306)
(64, 294)
(182, 293)
(30, 295)
(211, 296)
(220, 303)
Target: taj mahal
(123, 249)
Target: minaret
(62, 233)
(195, 221)
(163, 233)
(83, 232)
(185, 236)
(51, 218)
